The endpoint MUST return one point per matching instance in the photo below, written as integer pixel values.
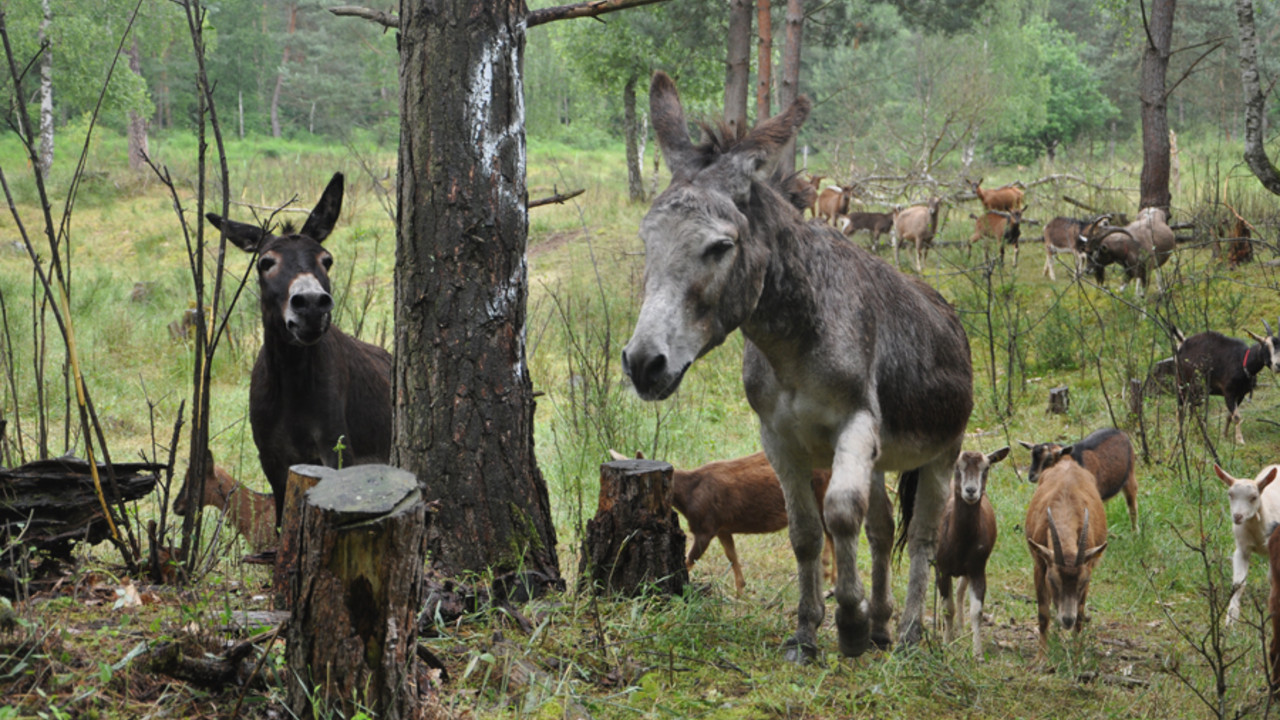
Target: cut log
(52, 503)
(356, 594)
(301, 479)
(634, 543)
(1059, 400)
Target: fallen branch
(385, 19)
(557, 198)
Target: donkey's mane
(719, 138)
(287, 228)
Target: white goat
(1255, 507)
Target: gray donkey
(849, 364)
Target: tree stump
(1136, 391)
(355, 596)
(301, 479)
(1059, 400)
(634, 542)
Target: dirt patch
(554, 241)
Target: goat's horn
(1268, 327)
(1084, 539)
(1053, 540)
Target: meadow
(1153, 647)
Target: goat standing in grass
(1255, 508)
(966, 536)
(252, 514)
(1107, 454)
(1069, 235)
(1004, 227)
(1223, 366)
(916, 224)
(1066, 533)
(1005, 198)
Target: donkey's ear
(670, 126)
(325, 215)
(754, 158)
(243, 235)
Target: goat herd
(1138, 247)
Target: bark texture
(737, 66)
(634, 542)
(292, 10)
(764, 59)
(1154, 183)
(46, 91)
(635, 181)
(352, 638)
(789, 85)
(301, 478)
(1255, 102)
(462, 398)
(138, 148)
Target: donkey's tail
(908, 483)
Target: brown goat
(833, 202)
(1140, 247)
(1066, 530)
(811, 196)
(252, 514)
(1006, 198)
(875, 223)
(1063, 235)
(739, 496)
(1003, 227)
(1106, 453)
(916, 224)
(966, 536)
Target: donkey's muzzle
(651, 374)
(308, 316)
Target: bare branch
(585, 9)
(385, 19)
(556, 198)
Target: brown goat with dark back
(1106, 453)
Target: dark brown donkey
(317, 396)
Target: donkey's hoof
(855, 632)
(800, 653)
(881, 640)
(909, 635)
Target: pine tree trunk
(737, 66)
(1255, 102)
(764, 60)
(1154, 182)
(284, 62)
(789, 87)
(463, 400)
(635, 181)
(138, 148)
(46, 93)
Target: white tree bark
(1255, 102)
(46, 92)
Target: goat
(1106, 453)
(1273, 609)
(741, 496)
(1005, 198)
(1004, 227)
(874, 223)
(1223, 366)
(966, 535)
(1139, 247)
(833, 202)
(811, 196)
(1064, 234)
(916, 224)
(1255, 508)
(251, 513)
(1066, 531)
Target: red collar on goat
(1245, 364)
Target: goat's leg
(977, 595)
(804, 528)
(948, 605)
(1131, 499)
(931, 494)
(1239, 571)
(700, 542)
(880, 540)
(1048, 264)
(962, 591)
(731, 552)
(1042, 606)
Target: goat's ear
(1064, 451)
(1223, 475)
(1092, 553)
(670, 126)
(998, 455)
(1026, 445)
(243, 235)
(615, 455)
(1265, 481)
(325, 214)
(1044, 553)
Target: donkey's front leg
(880, 540)
(848, 498)
(922, 541)
(804, 525)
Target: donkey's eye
(327, 261)
(718, 249)
(265, 264)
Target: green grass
(708, 654)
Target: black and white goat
(1223, 366)
(966, 535)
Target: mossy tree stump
(356, 593)
(634, 542)
(301, 479)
